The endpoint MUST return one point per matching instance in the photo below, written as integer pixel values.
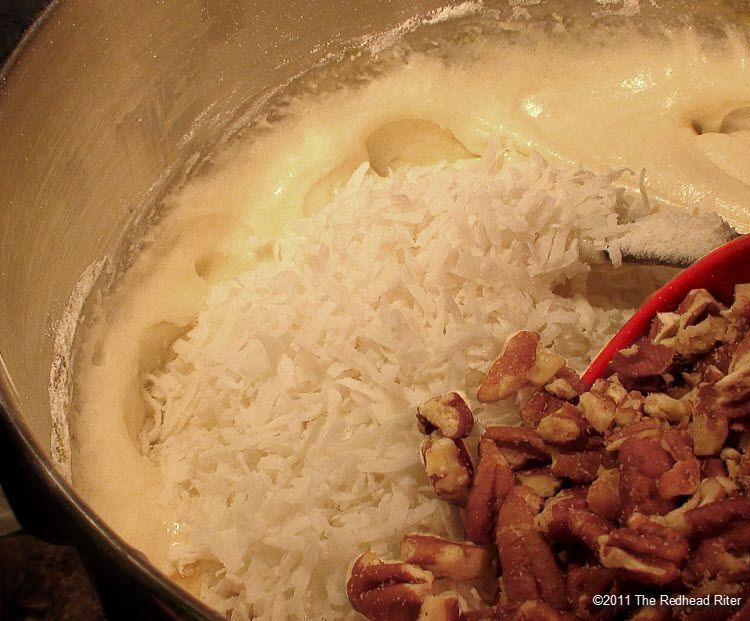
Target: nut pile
(639, 485)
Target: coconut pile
(284, 424)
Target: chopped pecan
(649, 428)
(642, 462)
(664, 327)
(709, 588)
(603, 496)
(523, 361)
(541, 480)
(449, 468)
(713, 467)
(443, 607)
(683, 478)
(563, 426)
(536, 405)
(536, 610)
(444, 558)
(643, 359)
(586, 582)
(652, 613)
(520, 446)
(660, 405)
(710, 426)
(736, 385)
(702, 337)
(567, 385)
(644, 552)
(741, 306)
(447, 413)
(387, 591)
(712, 518)
(697, 305)
(629, 409)
(609, 402)
(533, 610)
(709, 490)
(491, 613)
(598, 409)
(492, 482)
(738, 467)
(529, 567)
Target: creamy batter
(677, 106)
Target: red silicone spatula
(718, 272)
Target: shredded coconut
(284, 425)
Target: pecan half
(566, 519)
(579, 466)
(448, 467)
(710, 519)
(529, 566)
(444, 558)
(448, 413)
(523, 361)
(387, 591)
(520, 446)
(726, 556)
(589, 527)
(492, 482)
(644, 552)
(554, 519)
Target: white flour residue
(625, 8)
(384, 40)
(59, 387)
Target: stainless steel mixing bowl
(101, 106)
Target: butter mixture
(676, 105)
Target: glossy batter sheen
(676, 107)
